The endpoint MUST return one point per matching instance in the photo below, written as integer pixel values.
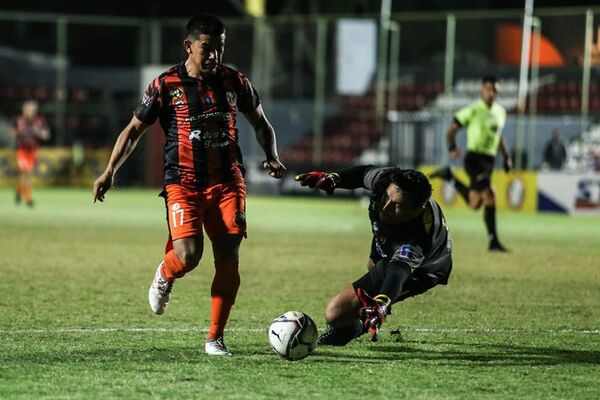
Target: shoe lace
(218, 342)
(328, 333)
(164, 286)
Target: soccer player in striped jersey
(484, 120)
(411, 250)
(28, 128)
(196, 103)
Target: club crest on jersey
(231, 98)
(176, 92)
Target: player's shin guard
(173, 267)
(223, 291)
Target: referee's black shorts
(479, 167)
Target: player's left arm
(507, 164)
(265, 135)
(41, 130)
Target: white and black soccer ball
(293, 335)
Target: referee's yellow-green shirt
(484, 126)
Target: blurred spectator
(555, 152)
(28, 128)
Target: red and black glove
(373, 311)
(318, 179)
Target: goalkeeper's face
(395, 207)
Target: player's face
(395, 208)
(30, 109)
(205, 52)
(489, 92)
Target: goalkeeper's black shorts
(419, 282)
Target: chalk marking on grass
(264, 330)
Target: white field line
(264, 330)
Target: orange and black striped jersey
(26, 128)
(198, 117)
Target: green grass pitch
(74, 319)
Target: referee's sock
(461, 188)
(489, 216)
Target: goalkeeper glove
(317, 179)
(373, 311)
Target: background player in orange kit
(196, 102)
(28, 128)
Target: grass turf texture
(75, 323)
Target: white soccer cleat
(216, 347)
(160, 292)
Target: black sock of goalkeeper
(396, 273)
(489, 216)
(462, 190)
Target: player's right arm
(124, 146)
(461, 119)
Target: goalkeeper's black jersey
(423, 242)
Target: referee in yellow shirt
(483, 120)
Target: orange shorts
(221, 209)
(26, 160)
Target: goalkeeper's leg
(342, 319)
(377, 290)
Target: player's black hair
(489, 78)
(412, 182)
(207, 24)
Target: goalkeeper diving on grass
(411, 250)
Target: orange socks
(173, 268)
(223, 291)
(24, 191)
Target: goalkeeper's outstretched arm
(350, 178)
(353, 177)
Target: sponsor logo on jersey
(210, 139)
(411, 255)
(145, 100)
(217, 116)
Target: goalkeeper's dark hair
(412, 182)
(207, 24)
